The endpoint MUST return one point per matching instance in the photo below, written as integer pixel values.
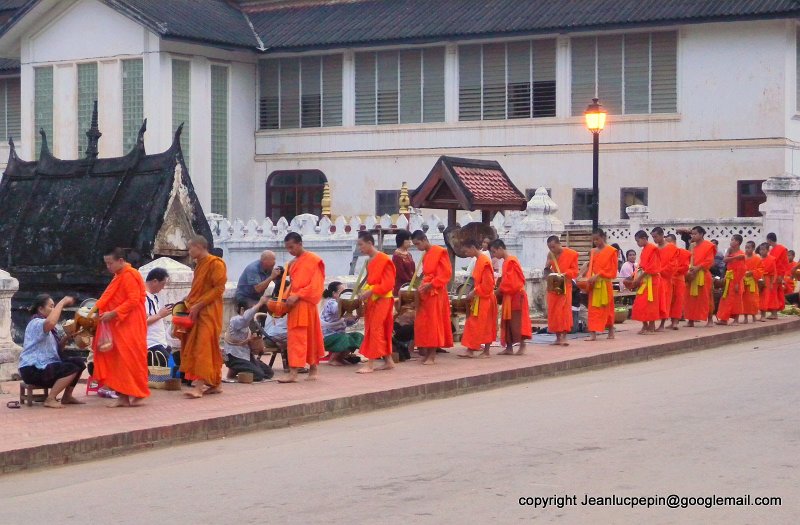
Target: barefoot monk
(201, 358)
(563, 261)
(379, 306)
(647, 283)
(515, 319)
(432, 329)
(480, 328)
(730, 305)
(678, 299)
(601, 271)
(699, 298)
(121, 307)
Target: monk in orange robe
(432, 329)
(730, 305)
(751, 296)
(121, 307)
(379, 301)
(668, 254)
(305, 343)
(601, 271)
(647, 283)
(515, 321)
(559, 306)
(681, 263)
(480, 328)
(769, 294)
(789, 281)
(782, 268)
(201, 358)
(699, 298)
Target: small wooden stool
(26, 393)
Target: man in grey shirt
(256, 278)
(238, 357)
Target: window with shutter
(290, 93)
(219, 140)
(311, 98)
(269, 94)
(387, 85)
(582, 199)
(630, 74)
(87, 94)
(507, 80)
(365, 88)
(631, 197)
(411, 86)
(387, 202)
(10, 108)
(182, 104)
(332, 90)
(433, 85)
(132, 101)
(43, 105)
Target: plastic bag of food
(104, 340)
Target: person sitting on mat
(338, 342)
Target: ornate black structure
(57, 217)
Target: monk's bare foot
(313, 373)
(291, 378)
(659, 329)
(52, 403)
(509, 351)
(121, 401)
(592, 337)
(710, 324)
(137, 401)
(468, 354)
(386, 366)
(564, 343)
(690, 324)
(69, 400)
(431, 360)
(365, 370)
(641, 332)
(335, 363)
(520, 350)
(722, 323)
(611, 335)
(195, 393)
(734, 323)
(213, 390)
(484, 355)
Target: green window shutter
(182, 103)
(609, 73)
(219, 140)
(469, 82)
(365, 88)
(433, 85)
(43, 106)
(637, 73)
(332, 90)
(132, 101)
(664, 71)
(87, 94)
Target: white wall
(730, 125)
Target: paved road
(722, 422)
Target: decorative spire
(404, 201)
(93, 135)
(326, 200)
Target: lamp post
(595, 116)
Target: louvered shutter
(544, 78)
(637, 73)
(290, 93)
(269, 89)
(332, 90)
(387, 87)
(663, 80)
(609, 73)
(494, 81)
(583, 73)
(469, 80)
(433, 85)
(365, 88)
(518, 58)
(410, 86)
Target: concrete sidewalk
(37, 437)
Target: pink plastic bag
(104, 341)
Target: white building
(279, 97)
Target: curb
(164, 436)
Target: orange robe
(669, 262)
(432, 328)
(789, 282)
(201, 357)
(378, 316)
(559, 306)
(682, 258)
(304, 338)
(782, 269)
(699, 292)
(769, 295)
(751, 296)
(515, 322)
(647, 305)
(731, 302)
(124, 368)
(481, 325)
(601, 303)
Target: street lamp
(595, 122)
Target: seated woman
(40, 362)
(338, 342)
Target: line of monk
(670, 283)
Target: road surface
(722, 422)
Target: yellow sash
(750, 282)
(507, 309)
(600, 293)
(698, 281)
(728, 279)
(647, 284)
(475, 306)
(375, 297)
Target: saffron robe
(433, 328)
(669, 262)
(682, 258)
(559, 306)
(481, 324)
(201, 357)
(769, 295)
(304, 343)
(751, 298)
(647, 305)
(699, 292)
(789, 282)
(731, 301)
(782, 269)
(603, 264)
(515, 322)
(379, 310)
(124, 367)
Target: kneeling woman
(338, 342)
(40, 363)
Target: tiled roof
(468, 184)
(209, 21)
(383, 21)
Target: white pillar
(9, 351)
(638, 214)
(781, 210)
(539, 224)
